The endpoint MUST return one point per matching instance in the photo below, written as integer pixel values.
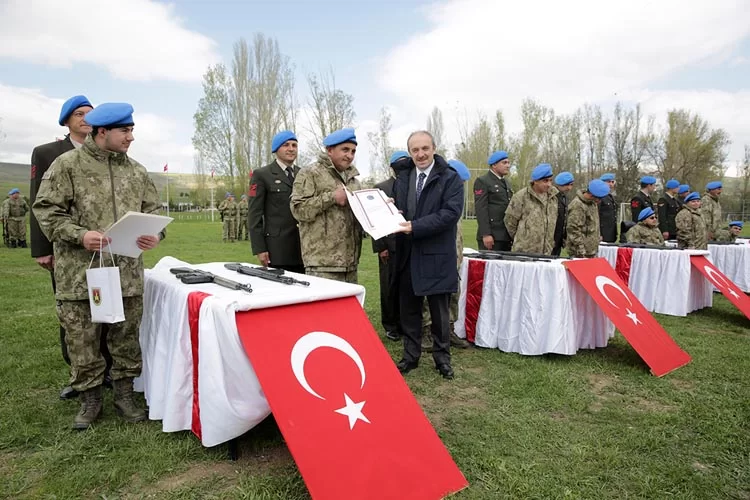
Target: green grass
(595, 425)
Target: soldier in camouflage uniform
(729, 233)
(531, 216)
(583, 220)
(711, 209)
(228, 211)
(691, 228)
(83, 192)
(647, 231)
(330, 236)
(14, 212)
(242, 218)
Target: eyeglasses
(652, 217)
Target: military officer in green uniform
(647, 231)
(532, 213)
(83, 192)
(583, 220)
(729, 233)
(274, 234)
(691, 227)
(228, 211)
(642, 198)
(711, 209)
(668, 207)
(492, 194)
(242, 218)
(14, 212)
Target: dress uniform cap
(564, 178)
(607, 177)
(672, 184)
(692, 196)
(71, 105)
(14, 191)
(541, 171)
(496, 157)
(713, 185)
(398, 155)
(281, 138)
(111, 114)
(598, 188)
(737, 223)
(340, 137)
(684, 188)
(461, 169)
(647, 179)
(645, 213)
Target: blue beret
(737, 223)
(340, 137)
(607, 177)
(461, 169)
(230, 195)
(71, 105)
(111, 114)
(398, 155)
(684, 188)
(598, 188)
(692, 196)
(280, 138)
(226, 195)
(672, 184)
(647, 179)
(645, 213)
(14, 191)
(713, 185)
(541, 171)
(496, 157)
(564, 178)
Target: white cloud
(137, 40)
(488, 55)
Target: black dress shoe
(406, 366)
(68, 393)
(445, 370)
(393, 335)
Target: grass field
(595, 425)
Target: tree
(331, 108)
(501, 138)
(436, 127)
(744, 171)
(626, 149)
(380, 155)
(526, 147)
(595, 135)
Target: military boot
(124, 403)
(22, 244)
(91, 408)
(457, 341)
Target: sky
(465, 56)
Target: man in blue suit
(430, 195)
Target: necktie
(420, 184)
(289, 174)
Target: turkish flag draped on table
(642, 331)
(350, 421)
(722, 283)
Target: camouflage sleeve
(306, 203)
(51, 206)
(513, 214)
(5, 210)
(632, 235)
(151, 203)
(576, 225)
(481, 207)
(683, 224)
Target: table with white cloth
(230, 397)
(664, 280)
(734, 262)
(532, 307)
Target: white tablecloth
(533, 308)
(231, 399)
(664, 280)
(734, 262)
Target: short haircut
(643, 185)
(426, 132)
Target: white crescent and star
(601, 282)
(715, 277)
(312, 341)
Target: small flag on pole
(212, 173)
(166, 167)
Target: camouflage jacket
(88, 189)
(711, 211)
(691, 229)
(583, 227)
(724, 234)
(530, 220)
(330, 236)
(228, 209)
(645, 235)
(17, 208)
(242, 209)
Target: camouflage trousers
(346, 277)
(230, 232)
(87, 364)
(242, 228)
(16, 228)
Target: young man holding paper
(85, 191)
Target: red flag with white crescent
(654, 345)
(722, 283)
(350, 421)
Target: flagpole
(167, 167)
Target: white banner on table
(377, 215)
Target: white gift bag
(105, 292)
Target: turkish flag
(166, 167)
(722, 283)
(350, 421)
(640, 329)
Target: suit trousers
(410, 319)
(388, 295)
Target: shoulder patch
(635, 204)
(478, 192)
(253, 192)
(33, 171)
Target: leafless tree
(381, 149)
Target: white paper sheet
(129, 228)
(374, 212)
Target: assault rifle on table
(638, 245)
(266, 274)
(723, 243)
(509, 256)
(195, 276)
(528, 255)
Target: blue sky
(465, 56)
